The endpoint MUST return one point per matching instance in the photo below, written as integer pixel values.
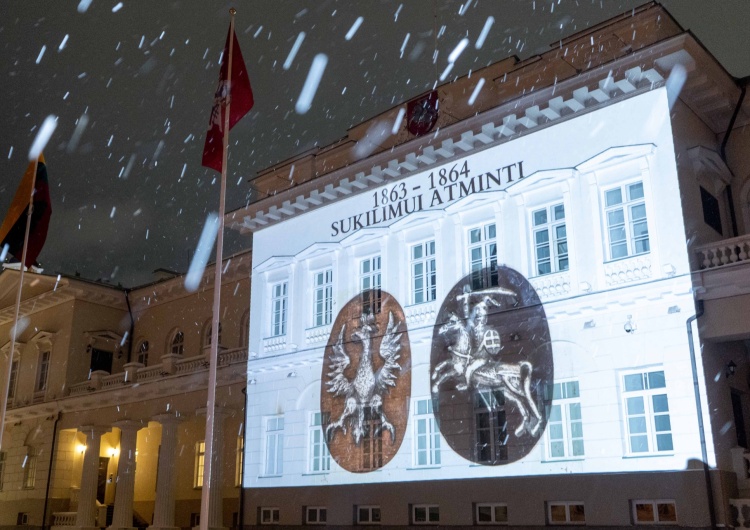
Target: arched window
(245, 329)
(143, 353)
(177, 344)
(207, 328)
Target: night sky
(129, 194)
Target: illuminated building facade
(495, 322)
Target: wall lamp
(630, 326)
(730, 369)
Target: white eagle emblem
(366, 389)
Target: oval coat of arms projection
(366, 382)
(491, 362)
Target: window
(278, 309)
(483, 256)
(425, 514)
(177, 344)
(195, 519)
(323, 299)
(369, 285)
(491, 513)
(423, 272)
(564, 425)
(566, 513)
(13, 383)
(208, 333)
(29, 470)
(143, 353)
(22, 519)
(550, 240)
(647, 411)
(200, 454)
(245, 329)
(316, 515)
(368, 514)
(269, 515)
(627, 227)
(711, 210)
(274, 445)
(490, 428)
(654, 512)
(238, 459)
(426, 435)
(43, 372)
(320, 457)
(2, 469)
(372, 440)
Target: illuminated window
(320, 457)
(564, 424)
(369, 285)
(425, 514)
(316, 515)
(323, 298)
(43, 372)
(490, 427)
(279, 308)
(29, 470)
(372, 440)
(177, 344)
(654, 512)
(143, 353)
(13, 383)
(627, 227)
(491, 513)
(483, 256)
(200, 455)
(274, 445)
(368, 514)
(423, 272)
(566, 513)
(2, 469)
(550, 240)
(269, 515)
(238, 459)
(426, 435)
(647, 412)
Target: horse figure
(514, 380)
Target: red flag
(240, 103)
(13, 228)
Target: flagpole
(214, 355)
(14, 334)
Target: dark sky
(131, 196)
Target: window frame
(370, 509)
(29, 470)
(142, 355)
(324, 457)
(649, 414)
(374, 276)
(483, 271)
(199, 464)
(318, 510)
(15, 366)
(431, 434)
(42, 373)
(322, 299)
(497, 426)
(239, 459)
(655, 509)
(273, 439)
(491, 505)
(274, 513)
(177, 342)
(3, 463)
(564, 402)
(428, 261)
(626, 204)
(550, 226)
(567, 505)
(279, 309)
(427, 514)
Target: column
(122, 519)
(216, 499)
(167, 474)
(86, 517)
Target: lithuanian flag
(13, 229)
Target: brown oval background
(395, 402)
(524, 333)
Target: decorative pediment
(42, 337)
(363, 236)
(614, 156)
(541, 186)
(476, 200)
(105, 340)
(5, 350)
(709, 163)
(274, 263)
(418, 220)
(316, 250)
